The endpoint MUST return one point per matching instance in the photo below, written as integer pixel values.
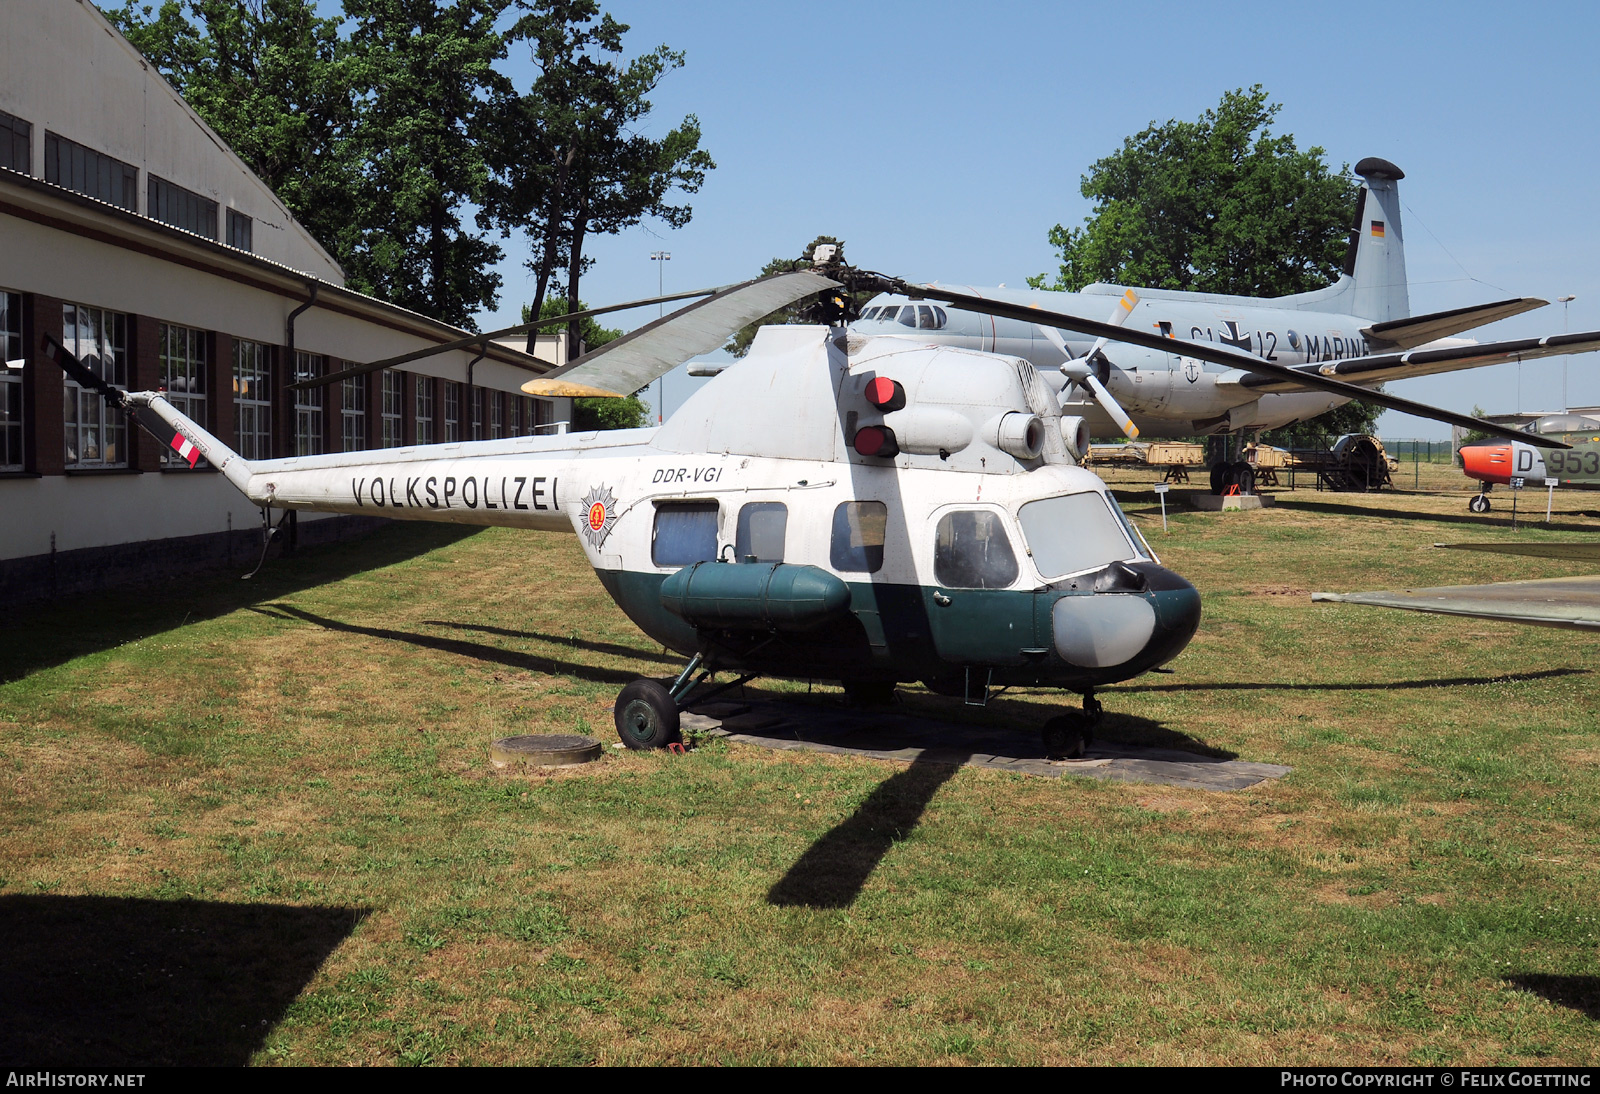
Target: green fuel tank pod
(775, 596)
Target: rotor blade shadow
(832, 871)
(1376, 685)
(119, 982)
(1527, 516)
(1580, 993)
(581, 643)
(475, 650)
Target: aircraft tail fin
(1376, 259)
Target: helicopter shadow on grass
(43, 635)
(612, 648)
(1375, 685)
(478, 651)
(1579, 993)
(1529, 517)
(833, 870)
(125, 983)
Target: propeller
(1082, 370)
(1029, 313)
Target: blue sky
(944, 140)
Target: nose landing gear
(1067, 736)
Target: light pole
(1566, 303)
(660, 258)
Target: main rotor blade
(627, 364)
(478, 340)
(1027, 313)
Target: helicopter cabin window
(685, 533)
(1070, 534)
(858, 534)
(971, 551)
(761, 530)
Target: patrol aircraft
(1502, 461)
(1359, 329)
(835, 506)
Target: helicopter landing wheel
(1065, 736)
(1093, 708)
(646, 715)
(869, 693)
(1479, 503)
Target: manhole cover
(543, 750)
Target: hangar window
(971, 551)
(182, 356)
(685, 533)
(1070, 534)
(859, 529)
(761, 531)
(172, 204)
(353, 413)
(308, 404)
(424, 409)
(452, 411)
(16, 143)
(96, 436)
(392, 390)
(12, 358)
(252, 399)
(70, 164)
(239, 230)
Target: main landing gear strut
(1067, 736)
(648, 712)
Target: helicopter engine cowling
(1075, 432)
(1018, 434)
(930, 430)
(775, 596)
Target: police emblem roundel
(601, 507)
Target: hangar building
(130, 231)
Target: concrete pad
(905, 738)
(1216, 503)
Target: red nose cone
(1487, 462)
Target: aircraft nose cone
(1126, 628)
(1486, 462)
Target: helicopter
(836, 507)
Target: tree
(739, 344)
(273, 79)
(581, 167)
(428, 92)
(1220, 204)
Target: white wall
(63, 67)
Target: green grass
(1419, 890)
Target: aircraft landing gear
(1067, 736)
(647, 711)
(1227, 475)
(1479, 503)
(647, 715)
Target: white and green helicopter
(833, 507)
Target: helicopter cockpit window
(685, 533)
(908, 315)
(760, 534)
(858, 533)
(971, 551)
(1074, 533)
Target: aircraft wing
(1409, 333)
(619, 368)
(1378, 367)
(1571, 603)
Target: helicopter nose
(1141, 615)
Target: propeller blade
(1028, 313)
(1081, 370)
(478, 340)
